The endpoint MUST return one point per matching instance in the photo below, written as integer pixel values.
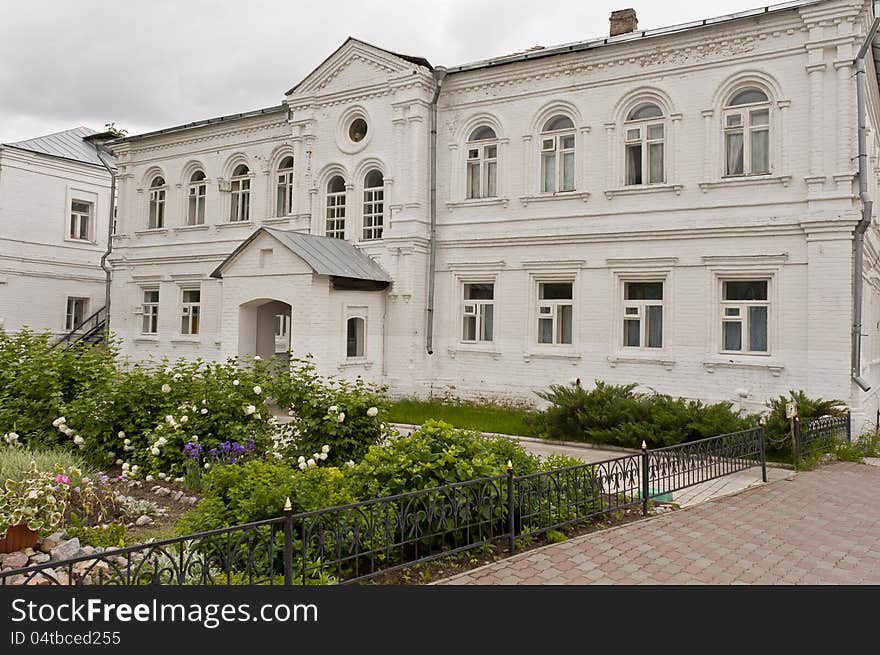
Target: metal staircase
(88, 332)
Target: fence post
(848, 426)
(796, 441)
(645, 487)
(288, 543)
(763, 455)
(511, 524)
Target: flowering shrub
(38, 500)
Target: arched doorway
(264, 329)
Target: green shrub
(617, 415)
(16, 462)
(112, 535)
(778, 428)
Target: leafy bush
(112, 535)
(15, 463)
(618, 415)
(778, 428)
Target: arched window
(747, 133)
(644, 145)
(284, 188)
(240, 188)
(157, 203)
(335, 224)
(557, 155)
(374, 204)
(482, 163)
(355, 332)
(198, 188)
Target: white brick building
(674, 207)
(54, 215)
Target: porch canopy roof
(336, 258)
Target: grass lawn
(483, 418)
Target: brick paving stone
(818, 527)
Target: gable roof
(418, 61)
(325, 255)
(69, 144)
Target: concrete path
(819, 527)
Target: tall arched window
(157, 203)
(374, 205)
(747, 133)
(482, 163)
(644, 144)
(335, 223)
(284, 187)
(198, 188)
(240, 188)
(557, 155)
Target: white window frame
(77, 218)
(373, 210)
(363, 354)
(197, 192)
(284, 189)
(150, 310)
(70, 321)
(747, 130)
(643, 140)
(189, 310)
(553, 147)
(156, 206)
(476, 309)
(637, 310)
(548, 309)
(240, 198)
(743, 316)
(335, 213)
(482, 157)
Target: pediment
(355, 64)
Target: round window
(357, 130)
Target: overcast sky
(149, 65)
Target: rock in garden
(66, 550)
(162, 491)
(17, 560)
(39, 558)
(176, 495)
(88, 550)
(143, 519)
(48, 544)
(59, 536)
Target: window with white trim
(555, 312)
(284, 187)
(190, 311)
(355, 336)
(747, 133)
(240, 195)
(482, 163)
(76, 312)
(282, 333)
(335, 221)
(150, 311)
(745, 316)
(374, 205)
(80, 228)
(157, 203)
(478, 312)
(644, 145)
(643, 314)
(557, 155)
(197, 191)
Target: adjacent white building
(674, 207)
(54, 215)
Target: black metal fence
(820, 434)
(364, 540)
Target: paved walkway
(820, 527)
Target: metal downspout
(439, 75)
(106, 254)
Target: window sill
(83, 242)
(748, 180)
(746, 362)
(273, 220)
(152, 230)
(636, 190)
(233, 224)
(146, 338)
(561, 195)
(639, 358)
(569, 355)
(472, 349)
(356, 362)
(477, 202)
(191, 228)
(186, 340)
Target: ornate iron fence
(820, 434)
(364, 540)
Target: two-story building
(674, 207)
(54, 220)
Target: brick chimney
(623, 21)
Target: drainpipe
(106, 254)
(867, 207)
(439, 75)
